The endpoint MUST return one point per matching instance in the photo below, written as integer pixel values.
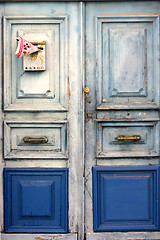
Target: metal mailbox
(35, 61)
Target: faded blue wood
(109, 147)
(42, 91)
(56, 146)
(53, 96)
(146, 107)
(125, 52)
(122, 73)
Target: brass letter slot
(129, 138)
(35, 139)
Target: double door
(80, 121)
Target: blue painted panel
(30, 192)
(36, 200)
(126, 198)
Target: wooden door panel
(127, 139)
(36, 200)
(36, 90)
(126, 61)
(35, 140)
(125, 198)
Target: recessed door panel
(36, 90)
(27, 140)
(121, 139)
(125, 198)
(126, 54)
(36, 200)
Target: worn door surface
(122, 119)
(80, 121)
(41, 117)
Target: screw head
(87, 90)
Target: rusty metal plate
(35, 61)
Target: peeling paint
(49, 238)
(41, 238)
(69, 90)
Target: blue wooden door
(80, 121)
(41, 118)
(122, 119)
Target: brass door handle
(129, 138)
(35, 139)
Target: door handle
(35, 139)
(129, 138)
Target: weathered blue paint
(122, 73)
(126, 198)
(113, 48)
(126, 48)
(44, 104)
(36, 200)
(109, 147)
